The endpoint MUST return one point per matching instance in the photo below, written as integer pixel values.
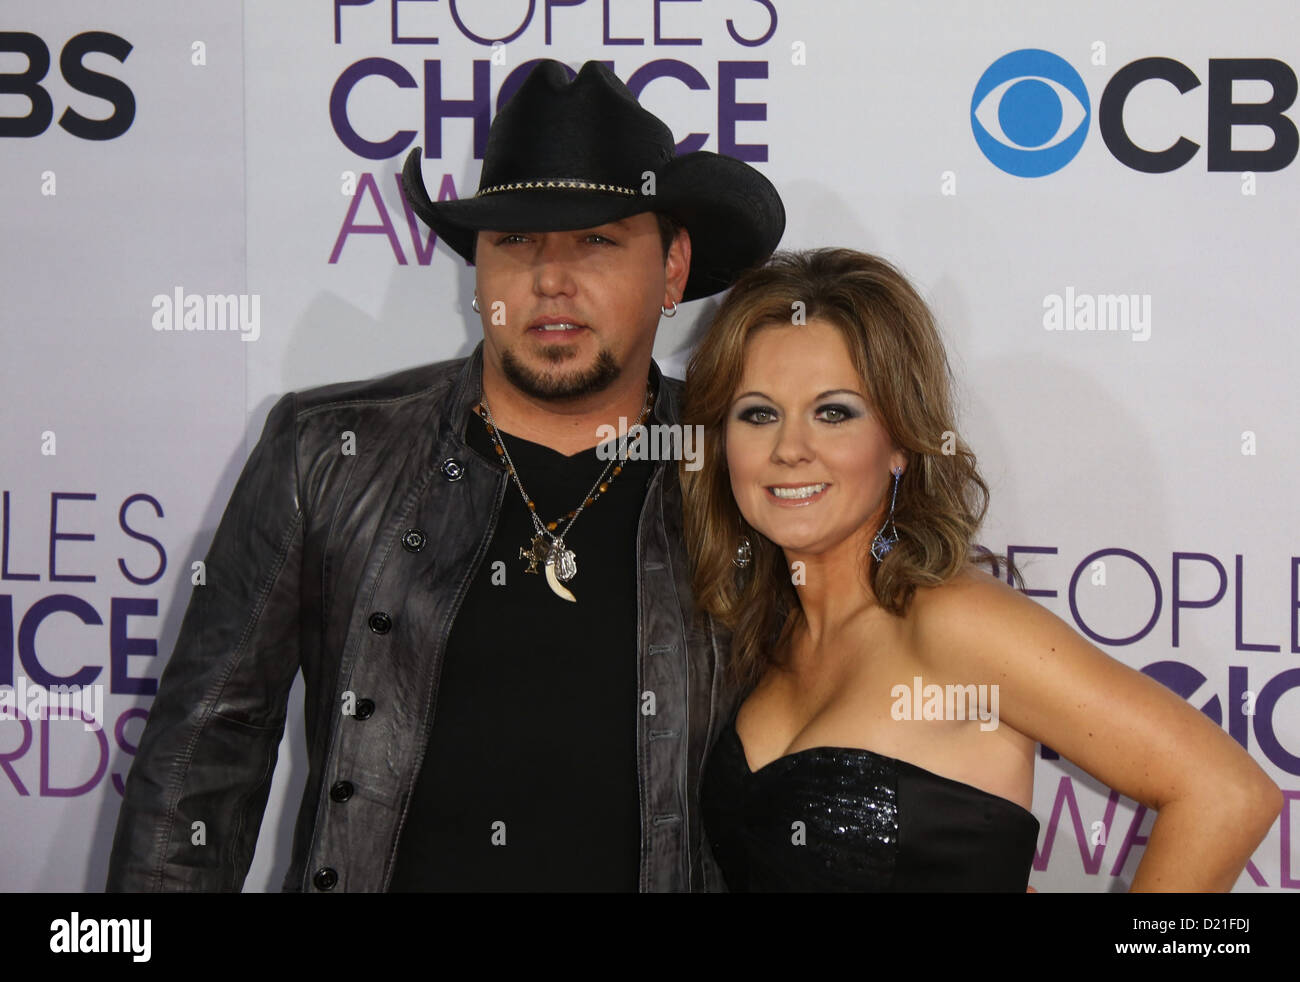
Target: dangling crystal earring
(884, 541)
(475, 305)
(743, 553)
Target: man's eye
(511, 237)
(600, 239)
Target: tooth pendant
(561, 564)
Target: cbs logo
(76, 74)
(1030, 114)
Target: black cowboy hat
(568, 155)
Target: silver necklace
(559, 562)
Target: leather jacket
(346, 548)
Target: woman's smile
(797, 495)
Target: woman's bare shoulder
(971, 597)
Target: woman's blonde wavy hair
(900, 358)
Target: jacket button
(413, 540)
(365, 708)
(380, 622)
(341, 791)
(452, 469)
(325, 878)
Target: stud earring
(884, 541)
(743, 553)
(669, 311)
(475, 305)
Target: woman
(833, 477)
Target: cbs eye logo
(1030, 113)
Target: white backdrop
(1172, 437)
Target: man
(507, 687)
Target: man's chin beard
(568, 385)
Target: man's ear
(677, 266)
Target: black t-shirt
(530, 781)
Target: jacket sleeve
(196, 792)
(725, 697)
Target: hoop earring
(475, 305)
(884, 541)
(743, 553)
(669, 312)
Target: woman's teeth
(807, 491)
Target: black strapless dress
(870, 823)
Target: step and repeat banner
(201, 211)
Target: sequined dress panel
(869, 823)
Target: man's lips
(556, 326)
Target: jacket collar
(468, 390)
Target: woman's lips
(796, 495)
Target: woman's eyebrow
(820, 395)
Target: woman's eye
(511, 237)
(836, 414)
(756, 414)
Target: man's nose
(554, 266)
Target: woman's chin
(807, 543)
(797, 541)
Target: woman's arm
(1214, 803)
